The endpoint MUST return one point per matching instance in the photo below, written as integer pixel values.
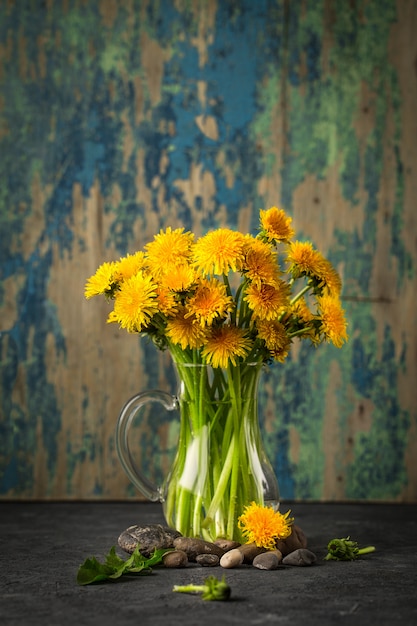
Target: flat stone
(266, 560)
(194, 546)
(302, 557)
(149, 538)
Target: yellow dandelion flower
(304, 318)
(306, 261)
(264, 526)
(128, 266)
(226, 344)
(300, 310)
(210, 302)
(333, 322)
(167, 303)
(267, 301)
(276, 225)
(331, 278)
(101, 282)
(135, 303)
(169, 248)
(260, 264)
(179, 277)
(276, 339)
(219, 252)
(184, 331)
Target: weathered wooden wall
(119, 117)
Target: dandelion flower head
(225, 344)
(301, 311)
(185, 331)
(179, 278)
(303, 316)
(129, 265)
(330, 278)
(101, 282)
(209, 302)
(263, 525)
(260, 264)
(167, 303)
(275, 225)
(169, 249)
(276, 338)
(305, 260)
(135, 303)
(333, 322)
(219, 252)
(267, 301)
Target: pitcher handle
(124, 423)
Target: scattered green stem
(345, 550)
(212, 589)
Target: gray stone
(149, 538)
(302, 557)
(266, 560)
(194, 546)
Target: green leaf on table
(92, 571)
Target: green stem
(366, 550)
(301, 331)
(223, 480)
(235, 393)
(300, 293)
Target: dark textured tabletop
(42, 545)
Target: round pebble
(175, 559)
(207, 560)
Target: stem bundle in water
(220, 465)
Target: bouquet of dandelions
(223, 305)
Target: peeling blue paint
(9, 480)
(66, 115)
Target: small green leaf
(92, 571)
(156, 557)
(113, 559)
